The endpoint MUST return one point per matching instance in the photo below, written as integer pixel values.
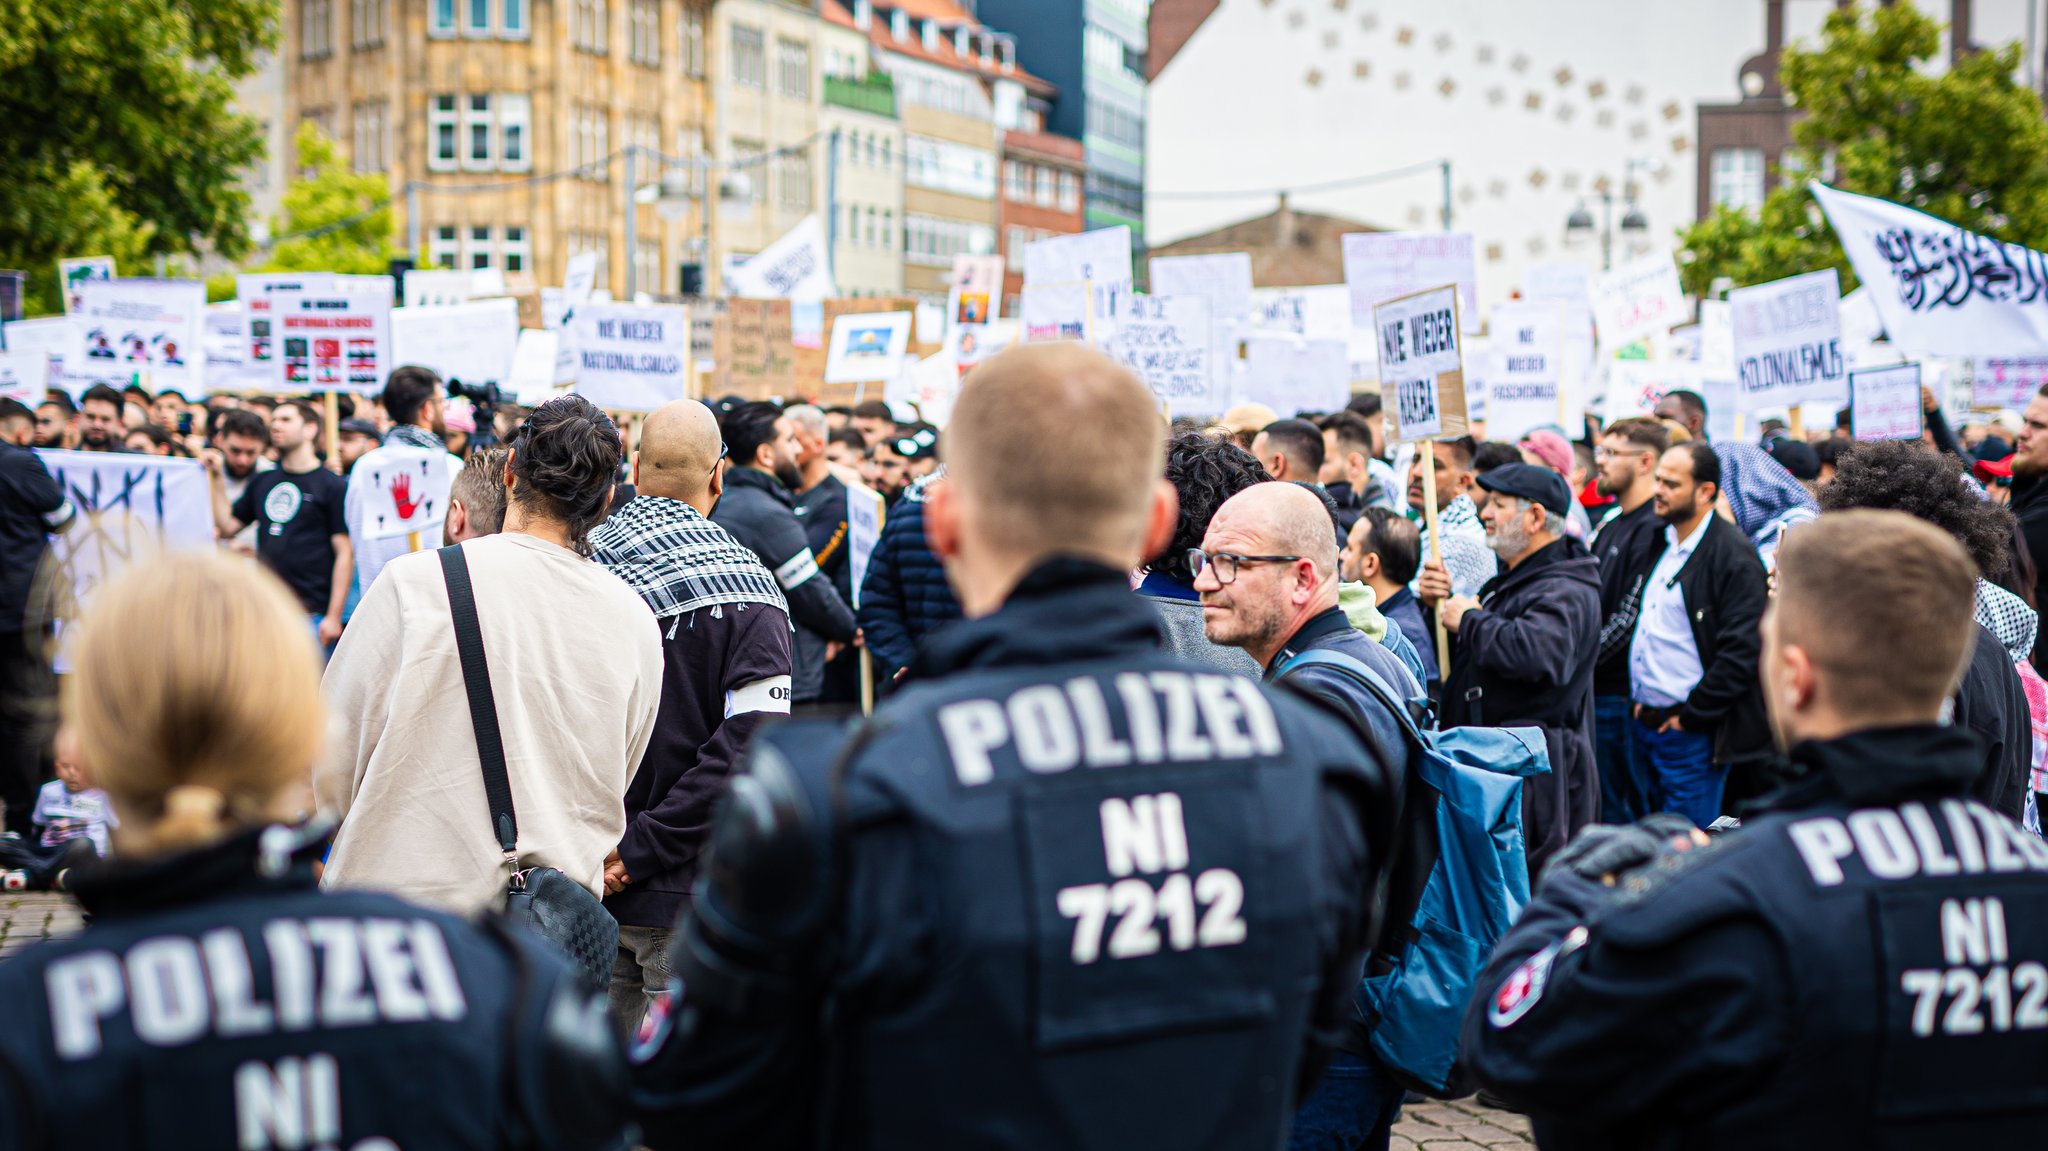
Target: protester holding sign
(296, 510)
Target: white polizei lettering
(399, 1000)
(1173, 831)
(1223, 716)
(1969, 849)
(1141, 716)
(973, 728)
(430, 959)
(1882, 843)
(1998, 849)
(323, 1099)
(1099, 745)
(1965, 936)
(1184, 740)
(1994, 915)
(1934, 860)
(1258, 716)
(291, 1107)
(1131, 840)
(235, 1010)
(1043, 729)
(82, 990)
(291, 973)
(167, 991)
(1823, 844)
(343, 1000)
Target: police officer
(1063, 890)
(1864, 964)
(219, 999)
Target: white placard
(866, 347)
(72, 273)
(1058, 312)
(631, 358)
(1224, 279)
(403, 490)
(1640, 298)
(1292, 375)
(795, 267)
(1884, 403)
(1381, 266)
(438, 287)
(864, 514)
(147, 330)
(1570, 283)
(471, 342)
(130, 507)
(976, 295)
(577, 283)
(1101, 258)
(254, 292)
(532, 379)
(1788, 342)
(1998, 384)
(1717, 339)
(333, 337)
(1420, 363)
(54, 336)
(1165, 340)
(227, 354)
(1525, 376)
(24, 376)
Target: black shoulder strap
(483, 707)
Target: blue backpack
(1457, 881)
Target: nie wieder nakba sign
(1788, 342)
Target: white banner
(1941, 290)
(631, 358)
(2006, 383)
(401, 490)
(73, 273)
(438, 287)
(1524, 380)
(471, 342)
(795, 267)
(1058, 312)
(334, 336)
(1884, 403)
(1224, 279)
(1290, 374)
(25, 377)
(1165, 339)
(1640, 298)
(259, 325)
(152, 331)
(1102, 258)
(1788, 342)
(867, 347)
(227, 354)
(130, 507)
(1381, 266)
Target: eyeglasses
(723, 450)
(1227, 563)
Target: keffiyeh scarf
(413, 436)
(1763, 495)
(678, 561)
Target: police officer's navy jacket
(218, 1000)
(1865, 965)
(1082, 896)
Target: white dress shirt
(1663, 661)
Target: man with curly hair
(1204, 473)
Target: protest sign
(976, 295)
(72, 273)
(2002, 384)
(254, 292)
(404, 490)
(1788, 342)
(54, 336)
(438, 287)
(1224, 279)
(577, 282)
(532, 378)
(1058, 312)
(1165, 340)
(472, 342)
(1640, 298)
(807, 325)
(631, 357)
(227, 354)
(130, 508)
(864, 512)
(1381, 266)
(1884, 403)
(1941, 290)
(968, 345)
(1569, 283)
(1289, 374)
(13, 284)
(1101, 258)
(334, 336)
(24, 377)
(1717, 338)
(795, 267)
(1421, 369)
(756, 358)
(151, 331)
(1524, 383)
(867, 347)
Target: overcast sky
(1273, 93)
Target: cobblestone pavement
(1465, 1125)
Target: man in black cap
(1525, 648)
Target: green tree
(118, 134)
(1969, 146)
(335, 220)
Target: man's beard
(790, 476)
(1510, 541)
(1613, 490)
(1680, 513)
(2026, 468)
(94, 437)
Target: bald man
(725, 670)
(1065, 890)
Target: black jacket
(1525, 658)
(1627, 546)
(2030, 504)
(906, 596)
(1811, 979)
(1725, 593)
(761, 514)
(1991, 702)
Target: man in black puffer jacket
(906, 596)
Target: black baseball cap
(1795, 457)
(1529, 482)
(356, 426)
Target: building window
(366, 23)
(644, 44)
(749, 57)
(1046, 192)
(935, 240)
(316, 29)
(514, 25)
(478, 151)
(517, 249)
(476, 18)
(793, 68)
(477, 253)
(442, 152)
(1016, 186)
(885, 154)
(756, 174)
(692, 47)
(647, 266)
(441, 21)
(793, 173)
(589, 141)
(1070, 192)
(947, 167)
(443, 247)
(1738, 178)
(515, 114)
(371, 147)
(588, 29)
(888, 227)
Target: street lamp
(1579, 227)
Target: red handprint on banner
(401, 496)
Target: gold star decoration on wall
(1361, 69)
(1448, 87)
(1314, 79)
(1563, 76)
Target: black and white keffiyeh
(678, 561)
(413, 436)
(2008, 617)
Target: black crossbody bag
(558, 908)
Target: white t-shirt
(63, 815)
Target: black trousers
(28, 718)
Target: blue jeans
(1352, 1109)
(1682, 773)
(1624, 790)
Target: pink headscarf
(1554, 450)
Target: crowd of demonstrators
(1461, 538)
(295, 510)
(906, 598)
(1205, 471)
(821, 503)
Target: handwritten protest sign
(1640, 298)
(334, 336)
(631, 357)
(1421, 364)
(24, 377)
(1101, 258)
(1165, 340)
(1524, 385)
(867, 347)
(1788, 342)
(795, 267)
(130, 509)
(1884, 403)
(756, 358)
(1292, 375)
(1058, 312)
(863, 529)
(1993, 383)
(73, 273)
(1381, 266)
(472, 342)
(151, 330)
